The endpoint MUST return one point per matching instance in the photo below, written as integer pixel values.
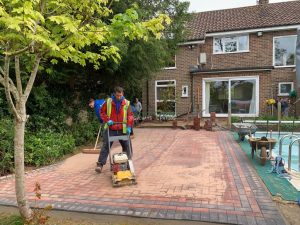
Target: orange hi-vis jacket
(117, 117)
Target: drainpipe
(192, 92)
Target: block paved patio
(181, 174)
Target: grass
(10, 220)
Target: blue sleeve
(97, 106)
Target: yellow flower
(270, 101)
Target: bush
(6, 146)
(267, 117)
(85, 132)
(235, 119)
(47, 136)
(46, 147)
(41, 148)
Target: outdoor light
(259, 33)
(191, 46)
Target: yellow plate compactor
(121, 164)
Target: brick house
(239, 56)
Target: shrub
(84, 132)
(267, 117)
(6, 146)
(235, 119)
(46, 147)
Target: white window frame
(164, 85)
(256, 78)
(187, 91)
(274, 51)
(285, 94)
(172, 67)
(231, 36)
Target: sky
(208, 5)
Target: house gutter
(291, 27)
(192, 43)
(253, 69)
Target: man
(96, 105)
(138, 106)
(115, 109)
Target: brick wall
(184, 58)
(260, 52)
(260, 55)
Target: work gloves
(128, 130)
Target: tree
(32, 31)
(142, 59)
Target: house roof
(252, 17)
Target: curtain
(253, 99)
(298, 58)
(207, 97)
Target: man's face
(91, 104)
(118, 95)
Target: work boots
(99, 167)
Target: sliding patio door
(241, 92)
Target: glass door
(241, 92)
(165, 93)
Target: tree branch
(12, 87)
(1, 70)
(32, 76)
(7, 87)
(19, 51)
(110, 4)
(18, 75)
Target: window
(231, 44)
(284, 88)
(185, 91)
(284, 51)
(241, 92)
(165, 92)
(171, 63)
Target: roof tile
(258, 16)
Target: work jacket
(117, 116)
(98, 103)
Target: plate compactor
(121, 164)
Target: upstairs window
(285, 51)
(171, 63)
(231, 44)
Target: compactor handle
(119, 122)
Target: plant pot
(174, 124)
(196, 123)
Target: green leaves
(65, 28)
(69, 24)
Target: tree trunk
(24, 208)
